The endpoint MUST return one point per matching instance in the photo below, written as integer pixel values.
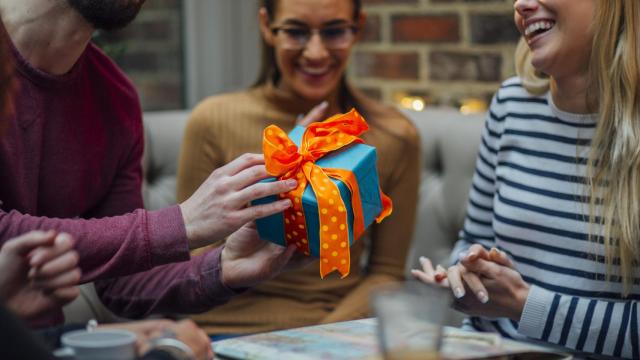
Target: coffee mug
(98, 344)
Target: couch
(449, 144)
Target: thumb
(280, 260)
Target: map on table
(357, 339)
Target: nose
(315, 49)
(524, 7)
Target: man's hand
(247, 260)
(38, 272)
(219, 206)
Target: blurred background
(413, 53)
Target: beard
(107, 14)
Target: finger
(25, 243)
(57, 266)
(315, 114)
(252, 213)
(440, 273)
(240, 163)
(65, 295)
(263, 189)
(500, 257)
(454, 275)
(423, 276)
(476, 286)
(476, 252)
(248, 176)
(253, 175)
(427, 266)
(484, 268)
(69, 278)
(63, 242)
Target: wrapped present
(338, 193)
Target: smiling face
(314, 71)
(559, 34)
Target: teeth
(540, 25)
(315, 71)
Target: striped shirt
(528, 199)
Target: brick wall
(150, 52)
(442, 51)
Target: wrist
(188, 225)
(521, 296)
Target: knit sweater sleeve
(478, 224)
(108, 245)
(187, 287)
(584, 324)
(390, 240)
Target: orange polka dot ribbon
(283, 159)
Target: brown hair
(269, 71)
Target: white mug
(98, 344)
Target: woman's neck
(332, 98)
(570, 94)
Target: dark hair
(269, 69)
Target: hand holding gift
(338, 194)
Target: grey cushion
(449, 145)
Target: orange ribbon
(284, 160)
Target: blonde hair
(613, 170)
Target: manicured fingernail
(458, 292)
(422, 259)
(324, 104)
(482, 297)
(299, 117)
(439, 268)
(462, 255)
(292, 183)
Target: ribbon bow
(284, 160)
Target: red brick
(388, 2)
(391, 65)
(425, 28)
(371, 31)
(462, 66)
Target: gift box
(338, 192)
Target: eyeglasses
(333, 37)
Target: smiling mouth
(537, 28)
(315, 71)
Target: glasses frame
(314, 30)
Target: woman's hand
(484, 283)
(316, 114)
(493, 273)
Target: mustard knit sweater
(223, 127)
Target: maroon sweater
(71, 161)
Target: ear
(265, 29)
(360, 22)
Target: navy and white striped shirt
(527, 198)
